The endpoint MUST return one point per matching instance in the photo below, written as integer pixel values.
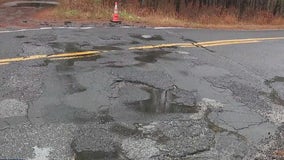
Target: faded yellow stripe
(4, 63)
(238, 40)
(230, 43)
(161, 46)
(17, 59)
(73, 54)
(36, 57)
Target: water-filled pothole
(147, 37)
(166, 101)
(34, 4)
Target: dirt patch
(21, 16)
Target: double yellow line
(74, 55)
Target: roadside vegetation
(184, 13)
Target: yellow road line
(73, 54)
(222, 44)
(161, 46)
(210, 43)
(43, 56)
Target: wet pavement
(173, 102)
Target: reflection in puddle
(70, 85)
(162, 101)
(148, 37)
(150, 56)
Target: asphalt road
(141, 93)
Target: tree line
(275, 7)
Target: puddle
(68, 65)
(150, 56)
(34, 4)
(66, 114)
(161, 101)
(148, 37)
(97, 155)
(107, 48)
(20, 36)
(61, 47)
(71, 47)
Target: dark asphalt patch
(134, 42)
(124, 130)
(150, 56)
(276, 84)
(96, 155)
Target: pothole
(34, 4)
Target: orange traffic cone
(115, 17)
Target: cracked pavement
(215, 102)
